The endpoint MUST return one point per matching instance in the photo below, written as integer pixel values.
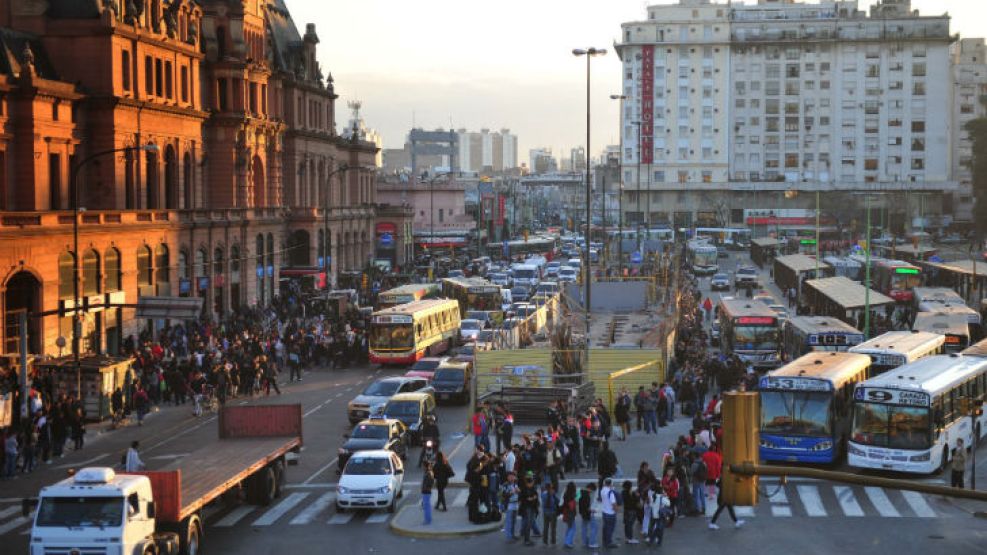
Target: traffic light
(741, 442)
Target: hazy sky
(496, 64)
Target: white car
(568, 275)
(468, 329)
(370, 480)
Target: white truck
(100, 511)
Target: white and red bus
(405, 333)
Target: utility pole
(867, 277)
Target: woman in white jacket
(658, 506)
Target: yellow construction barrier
(633, 375)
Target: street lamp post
(589, 53)
(620, 221)
(76, 209)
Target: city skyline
(463, 87)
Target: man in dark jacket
(606, 463)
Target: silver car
(378, 393)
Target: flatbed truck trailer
(159, 512)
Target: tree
(977, 129)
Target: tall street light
(620, 209)
(589, 53)
(431, 215)
(76, 209)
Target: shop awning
(174, 308)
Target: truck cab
(97, 508)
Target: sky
(496, 64)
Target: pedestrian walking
(442, 472)
(958, 465)
(658, 508)
(428, 481)
(132, 461)
(720, 505)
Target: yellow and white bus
(405, 333)
(806, 406)
(955, 326)
(408, 293)
(909, 419)
(896, 348)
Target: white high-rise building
(673, 118)
(750, 101)
(969, 87)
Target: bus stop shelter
(764, 250)
(963, 276)
(793, 270)
(843, 298)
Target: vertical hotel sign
(647, 104)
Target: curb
(425, 534)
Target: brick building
(184, 125)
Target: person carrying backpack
(550, 508)
(699, 477)
(588, 525)
(569, 510)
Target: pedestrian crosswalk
(814, 499)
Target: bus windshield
(391, 336)
(755, 338)
(893, 426)
(905, 282)
(796, 413)
(484, 301)
(704, 257)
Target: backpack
(584, 506)
(700, 474)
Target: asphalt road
(805, 516)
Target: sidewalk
(445, 524)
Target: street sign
(636, 257)
(386, 239)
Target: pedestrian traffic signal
(741, 441)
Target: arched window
(91, 275)
(235, 264)
(66, 275)
(171, 178)
(187, 180)
(217, 261)
(112, 269)
(162, 263)
(201, 263)
(143, 266)
(184, 272)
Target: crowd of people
(246, 355)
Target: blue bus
(806, 407)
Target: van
(412, 409)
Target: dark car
(373, 434)
(451, 382)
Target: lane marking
(378, 518)
(236, 515)
(9, 511)
(13, 524)
(166, 457)
(310, 411)
(320, 471)
(83, 463)
(341, 518)
(279, 510)
(918, 504)
(811, 500)
(779, 497)
(844, 494)
(781, 510)
(320, 504)
(744, 511)
(881, 502)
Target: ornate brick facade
(200, 136)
